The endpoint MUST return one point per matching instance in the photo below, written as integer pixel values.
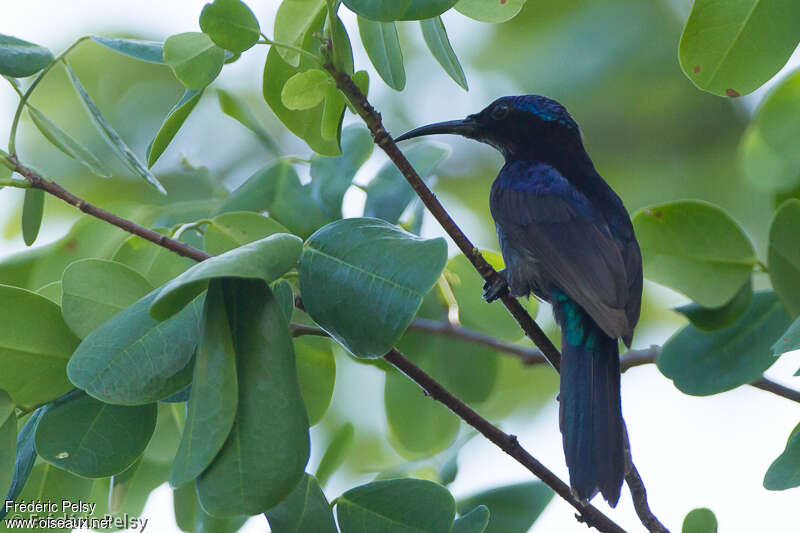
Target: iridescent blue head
(521, 127)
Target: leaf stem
(267, 40)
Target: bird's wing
(573, 245)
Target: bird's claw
(494, 288)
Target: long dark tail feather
(590, 412)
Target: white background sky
(692, 452)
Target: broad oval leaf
(172, 123)
(492, 12)
(94, 290)
(32, 213)
(389, 10)
(475, 521)
(214, 396)
(305, 509)
(230, 24)
(513, 508)
(336, 453)
(295, 20)
(363, 280)
(701, 363)
(194, 59)
(266, 259)
(264, 457)
(133, 359)
(20, 59)
(732, 48)
(784, 472)
(712, 319)
(396, 506)
(316, 374)
(783, 255)
(383, 48)
(34, 357)
(231, 230)
(699, 520)
(439, 44)
(149, 51)
(94, 439)
(305, 89)
(696, 248)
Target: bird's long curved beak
(466, 128)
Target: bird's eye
(499, 112)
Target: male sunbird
(566, 237)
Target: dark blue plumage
(566, 238)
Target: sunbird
(566, 238)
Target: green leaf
(700, 520)
(50, 484)
(696, 248)
(388, 194)
(214, 396)
(114, 140)
(513, 508)
(20, 59)
(389, 10)
(305, 509)
(94, 439)
(789, 341)
(51, 291)
(383, 48)
(32, 213)
(264, 457)
(305, 90)
(783, 255)
(336, 452)
(316, 373)
(418, 426)
(194, 59)
(283, 292)
(439, 44)
(6, 408)
(712, 319)
(62, 140)
(34, 357)
(235, 108)
(332, 113)
(149, 51)
(701, 363)
(475, 521)
(266, 259)
(342, 49)
(191, 518)
(231, 230)
(8, 441)
(94, 290)
(784, 472)
(492, 12)
(294, 22)
(132, 359)
(157, 264)
(26, 456)
(361, 79)
(396, 506)
(731, 49)
(762, 165)
(230, 24)
(362, 280)
(172, 123)
(332, 176)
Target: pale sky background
(692, 452)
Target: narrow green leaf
(708, 266)
(731, 49)
(701, 363)
(157, 264)
(369, 269)
(214, 396)
(20, 59)
(305, 90)
(316, 374)
(113, 138)
(513, 508)
(332, 114)
(94, 290)
(264, 457)
(712, 319)
(295, 20)
(172, 123)
(62, 140)
(231, 230)
(94, 439)
(266, 259)
(784, 472)
(235, 108)
(439, 44)
(34, 358)
(491, 12)
(230, 24)
(700, 520)
(475, 521)
(32, 213)
(149, 51)
(194, 59)
(396, 506)
(383, 48)
(342, 49)
(336, 453)
(783, 255)
(305, 509)
(388, 11)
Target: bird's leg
(495, 287)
